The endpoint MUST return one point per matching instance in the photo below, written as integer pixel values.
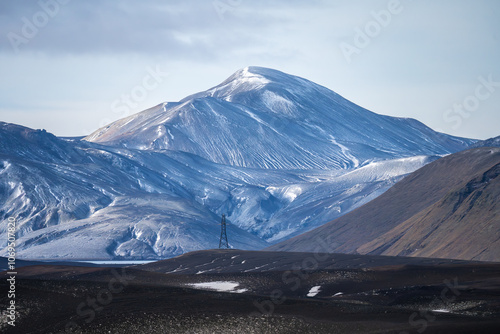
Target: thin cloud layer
(406, 58)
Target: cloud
(90, 52)
(176, 29)
(107, 27)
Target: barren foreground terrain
(226, 292)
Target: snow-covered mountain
(75, 200)
(264, 118)
(491, 142)
(279, 155)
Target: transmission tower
(223, 235)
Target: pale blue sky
(66, 65)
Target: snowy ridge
(263, 118)
(133, 204)
(278, 154)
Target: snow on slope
(145, 227)
(279, 155)
(264, 118)
(107, 203)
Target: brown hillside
(375, 227)
(465, 224)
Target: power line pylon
(223, 244)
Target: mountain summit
(263, 118)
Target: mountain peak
(266, 75)
(249, 75)
(251, 71)
(264, 118)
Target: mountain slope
(77, 200)
(491, 142)
(464, 224)
(448, 208)
(264, 118)
(279, 155)
(108, 202)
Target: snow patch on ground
(221, 286)
(441, 311)
(314, 291)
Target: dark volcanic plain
(272, 292)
